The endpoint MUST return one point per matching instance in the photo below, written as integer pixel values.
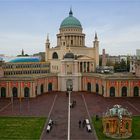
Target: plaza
(55, 106)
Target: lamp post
(69, 89)
(12, 101)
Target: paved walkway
(60, 115)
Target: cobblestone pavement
(42, 105)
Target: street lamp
(69, 90)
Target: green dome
(70, 21)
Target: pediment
(84, 57)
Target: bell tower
(96, 48)
(47, 44)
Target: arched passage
(26, 92)
(124, 91)
(15, 92)
(50, 87)
(136, 91)
(112, 91)
(88, 86)
(97, 88)
(3, 92)
(69, 84)
(42, 88)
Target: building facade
(70, 63)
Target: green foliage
(21, 127)
(128, 63)
(135, 129)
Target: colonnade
(85, 66)
(73, 40)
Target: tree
(128, 63)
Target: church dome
(70, 21)
(69, 55)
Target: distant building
(137, 67)
(133, 61)
(138, 53)
(103, 58)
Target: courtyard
(54, 105)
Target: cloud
(12, 43)
(116, 40)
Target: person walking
(79, 123)
(84, 123)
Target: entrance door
(42, 88)
(26, 92)
(88, 86)
(124, 91)
(50, 87)
(97, 88)
(136, 91)
(14, 91)
(69, 84)
(112, 92)
(3, 92)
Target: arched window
(124, 91)
(136, 91)
(15, 92)
(26, 92)
(112, 92)
(55, 55)
(97, 88)
(3, 92)
(88, 86)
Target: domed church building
(71, 56)
(68, 64)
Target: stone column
(82, 66)
(79, 40)
(89, 66)
(74, 40)
(86, 66)
(79, 66)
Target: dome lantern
(70, 13)
(70, 22)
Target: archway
(3, 92)
(89, 87)
(69, 84)
(15, 92)
(97, 88)
(50, 87)
(26, 92)
(124, 91)
(42, 88)
(112, 92)
(136, 91)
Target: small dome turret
(69, 55)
